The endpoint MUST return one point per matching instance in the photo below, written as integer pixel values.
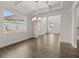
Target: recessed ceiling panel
(38, 6)
(27, 7)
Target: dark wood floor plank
(46, 46)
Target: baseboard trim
(69, 44)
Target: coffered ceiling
(32, 7)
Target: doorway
(53, 24)
(49, 24)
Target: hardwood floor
(46, 46)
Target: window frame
(25, 19)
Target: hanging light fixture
(39, 19)
(36, 18)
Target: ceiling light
(36, 19)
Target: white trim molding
(74, 41)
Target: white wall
(74, 30)
(66, 26)
(56, 20)
(42, 26)
(10, 38)
(77, 21)
(75, 24)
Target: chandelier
(36, 19)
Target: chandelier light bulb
(32, 19)
(39, 19)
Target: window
(13, 22)
(21, 23)
(51, 27)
